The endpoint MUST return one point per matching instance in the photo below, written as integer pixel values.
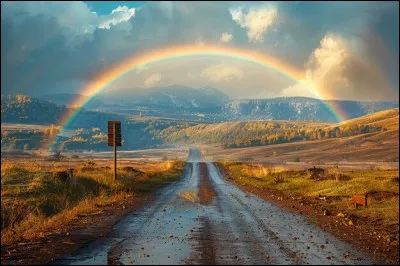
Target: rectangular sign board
(118, 135)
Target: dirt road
(202, 220)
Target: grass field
(35, 200)
(382, 187)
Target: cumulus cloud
(118, 15)
(226, 37)
(257, 21)
(61, 46)
(152, 80)
(222, 73)
(338, 71)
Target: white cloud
(337, 71)
(257, 21)
(118, 15)
(222, 73)
(152, 80)
(226, 37)
(69, 32)
(325, 68)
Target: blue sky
(105, 7)
(350, 49)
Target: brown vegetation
(324, 196)
(36, 200)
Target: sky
(350, 49)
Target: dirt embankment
(363, 234)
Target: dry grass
(332, 183)
(34, 201)
(260, 171)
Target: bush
(279, 178)
(320, 174)
(316, 173)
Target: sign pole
(115, 154)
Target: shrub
(316, 173)
(279, 178)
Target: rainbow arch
(137, 60)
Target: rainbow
(138, 60)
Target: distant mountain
(27, 110)
(69, 99)
(172, 97)
(183, 103)
(299, 108)
(24, 109)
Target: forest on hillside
(249, 134)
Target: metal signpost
(114, 139)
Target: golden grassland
(341, 184)
(388, 119)
(376, 148)
(35, 201)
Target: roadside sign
(118, 136)
(114, 139)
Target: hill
(258, 133)
(362, 149)
(388, 119)
(27, 110)
(211, 105)
(171, 97)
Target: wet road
(203, 220)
